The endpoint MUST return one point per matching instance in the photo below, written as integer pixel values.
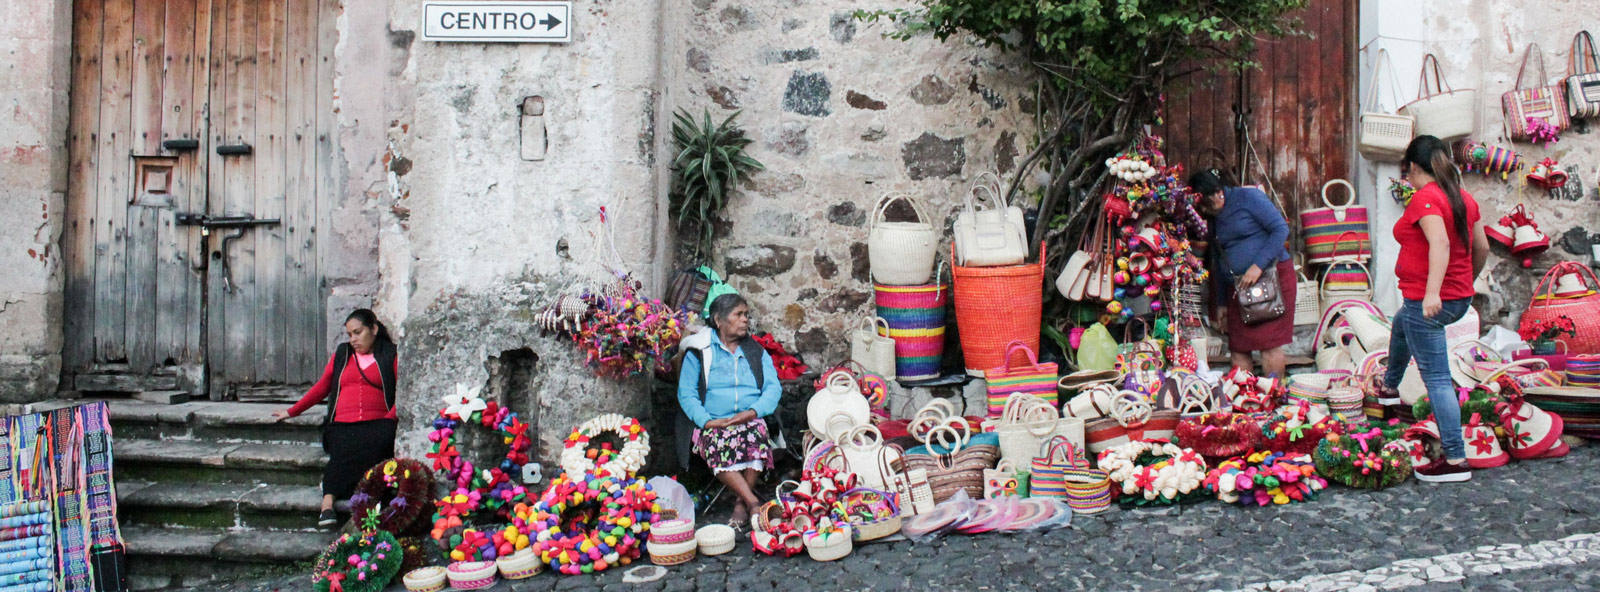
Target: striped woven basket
(995, 306)
(1584, 371)
(916, 323)
(1088, 490)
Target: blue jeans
(1417, 336)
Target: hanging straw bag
(996, 306)
(1307, 301)
(1384, 136)
(1032, 378)
(872, 347)
(1539, 101)
(901, 253)
(1583, 310)
(1323, 227)
(1073, 283)
(1441, 111)
(1583, 78)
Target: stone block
(163, 397)
(760, 260)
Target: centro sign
(497, 22)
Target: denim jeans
(1417, 336)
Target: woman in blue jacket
(1249, 240)
(720, 392)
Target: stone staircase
(217, 486)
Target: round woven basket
(995, 306)
(901, 253)
(715, 539)
(426, 579)
(666, 532)
(674, 553)
(519, 565)
(472, 575)
(830, 548)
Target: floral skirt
(734, 447)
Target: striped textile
(1322, 230)
(1345, 276)
(916, 317)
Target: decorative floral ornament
(578, 458)
(464, 402)
(357, 563)
(1169, 473)
(588, 522)
(456, 523)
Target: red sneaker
(1440, 471)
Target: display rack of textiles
(58, 514)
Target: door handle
(234, 149)
(180, 145)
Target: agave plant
(710, 158)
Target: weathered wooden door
(200, 152)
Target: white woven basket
(901, 253)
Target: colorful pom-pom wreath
(458, 528)
(1363, 460)
(401, 489)
(577, 458)
(590, 523)
(1265, 478)
(1219, 435)
(358, 563)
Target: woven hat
(1570, 285)
(1533, 431)
(1483, 448)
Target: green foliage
(1107, 46)
(709, 159)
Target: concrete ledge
(190, 496)
(216, 544)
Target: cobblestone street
(1526, 526)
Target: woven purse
(1539, 101)
(1384, 136)
(1322, 228)
(1054, 458)
(901, 253)
(1307, 300)
(960, 470)
(1443, 112)
(872, 347)
(1583, 78)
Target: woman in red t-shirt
(1442, 248)
(358, 431)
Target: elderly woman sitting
(727, 385)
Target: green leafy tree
(709, 159)
(1101, 70)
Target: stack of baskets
(672, 542)
(908, 292)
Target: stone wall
(1484, 52)
(840, 115)
(35, 72)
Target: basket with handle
(1322, 227)
(1384, 136)
(1129, 417)
(1307, 303)
(1583, 310)
(873, 347)
(1583, 78)
(959, 470)
(1025, 422)
(1032, 378)
(916, 318)
(1346, 276)
(873, 513)
(996, 306)
(901, 253)
(1540, 100)
(1054, 456)
(1088, 491)
(1441, 111)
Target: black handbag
(1262, 301)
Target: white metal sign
(497, 22)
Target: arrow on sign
(550, 23)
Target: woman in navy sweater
(1250, 235)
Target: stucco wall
(1484, 52)
(35, 42)
(840, 115)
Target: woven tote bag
(1441, 111)
(916, 317)
(1583, 310)
(1307, 299)
(901, 253)
(996, 306)
(1539, 100)
(873, 348)
(1384, 136)
(1583, 78)
(1055, 456)
(1323, 227)
(1346, 279)
(1026, 422)
(1032, 378)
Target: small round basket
(672, 553)
(472, 575)
(427, 579)
(519, 565)
(667, 532)
(715, 539)
(829, 546)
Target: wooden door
(190, 117)
(1298, 108)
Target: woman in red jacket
(359, 384)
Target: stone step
(167, 557)
(258, 506)
(216, 421)
(195, 461)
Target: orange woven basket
(995, 306)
